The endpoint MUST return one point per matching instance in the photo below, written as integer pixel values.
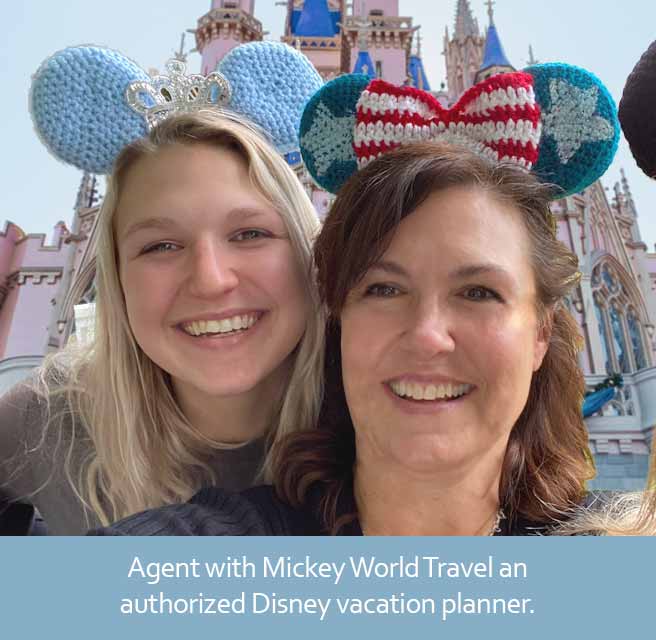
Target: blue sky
(603, 36)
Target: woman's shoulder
(216, 512)
(22, 411)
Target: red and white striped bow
(498, 118)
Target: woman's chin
(433, 453)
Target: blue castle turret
(494, 57)
(363, 63)
(416, 74)
(315, 20)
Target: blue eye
(381, 291)
(250, 234)
(161, 247)
(481, 294)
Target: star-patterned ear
(327, 130)
(580, 129)
(555, 120)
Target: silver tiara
(177, 93)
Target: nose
(212, 271)
(430, 331)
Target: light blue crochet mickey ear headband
(87, 102)
(555, 120)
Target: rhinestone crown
(177, 92)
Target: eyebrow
(466, 271)
(155, 222)
(163, 222)
(478, 269)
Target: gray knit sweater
(34, 471)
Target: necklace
(496, 525)
(494, 529)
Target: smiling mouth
(429, 392)
(219, 328)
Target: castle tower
(363, 63)
(389, 39)
(227, 24)
(416, 73)
(313, 27)
(464, 52)
(494, 57)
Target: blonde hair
(625, 514)
(144, 453)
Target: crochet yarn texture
(77, 107)
(637, 111)
(581, 131)
(271, 83)
(556, 120)
(327, 131)
(79, 99)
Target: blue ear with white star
(580, 129)
(327, 131)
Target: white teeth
(227, 325)
(418, 391)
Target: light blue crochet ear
(77, 102)
(580, 129)
(271, 82)
(327, 130)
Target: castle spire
(494, 57)
(363, 63)
(463, 53)
(466, 26)
(416, 73)
(490, 10)
(531, 57)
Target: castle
(42, 285)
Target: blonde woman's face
(213, 292)
(440, 339)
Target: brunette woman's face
(440, 339)
(213, 292)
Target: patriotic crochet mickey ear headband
(637, 109)
(87, 102)
(555, 120)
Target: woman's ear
(543, 338)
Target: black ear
(637, 109)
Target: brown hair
(547, 460)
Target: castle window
(636, 340)
(603, 333)
(618, 340)
(622, 343)
(379, 69)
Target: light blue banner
(314, 588)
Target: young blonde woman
(208, 335)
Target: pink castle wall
(393, 62)
(323, 58)
(389, 7)
(25, 313)
(214, 51)
(244, 5)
